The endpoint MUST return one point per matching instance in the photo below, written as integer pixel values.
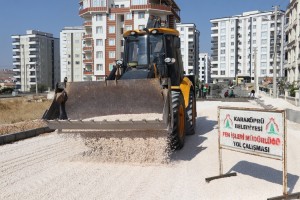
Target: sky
(52, 16)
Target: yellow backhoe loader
(149, 79)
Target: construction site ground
(54, 167)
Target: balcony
(15, 43)
(152, 6)
(88, 23)
(33, 42)
(88, 61)
(16, 69)
(16, 56)
(90, 10)
(33, 56)
(291, 44)
(16, 50)
(88, 36)
(88, 72)
(87, 48)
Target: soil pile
(126, 146)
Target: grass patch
(21, 114)
(22, 109)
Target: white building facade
(292, 51)
(244, 44)
(105, 21)
(204, 68)
(36, 60)
(189, 37)
(71, 54)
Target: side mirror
(119, 62)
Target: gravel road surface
(55, 167)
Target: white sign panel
(255, 131)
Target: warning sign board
(254, 131)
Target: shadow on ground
(238, 99)
(265, 173)
(193, 143)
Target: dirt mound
(126, 146)
(21, 126)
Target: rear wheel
(191, 115)
(177, 120)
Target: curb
(291, 115)
(10, 138)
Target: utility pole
(275, 56)
(255, 71)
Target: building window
(223, 44)
(112, 54)
(223, 38)
(141, 15)
(141, 27)
(264, 49)
(99, 30)
(223, 30)
(110, 67)
(264, 34)
(98, 17)
(128, 27)
(222, 58)
(112, 16)
(263, 71)
(223, 51)
(99, 54)
(99, 67)
(128, 16)
(77, 55)
(111, 42)
(264, 27)
(77, 62)
(222, 72)
(263, 57)
(263, 65)
(138, 2)
(111, 29)
(99, 42)
(264, 41)
(222, 66)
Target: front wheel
(191, 115)
(177, 120)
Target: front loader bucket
(124, 104)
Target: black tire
(191, 115)
(177, 111)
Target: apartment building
(244, 44)
(71, 54)
(204, 68)
(35, 60)
(189, 37)
(292, 39)
(105, 21)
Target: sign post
(253, 131)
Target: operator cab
(149, 53)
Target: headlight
(154, 32)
